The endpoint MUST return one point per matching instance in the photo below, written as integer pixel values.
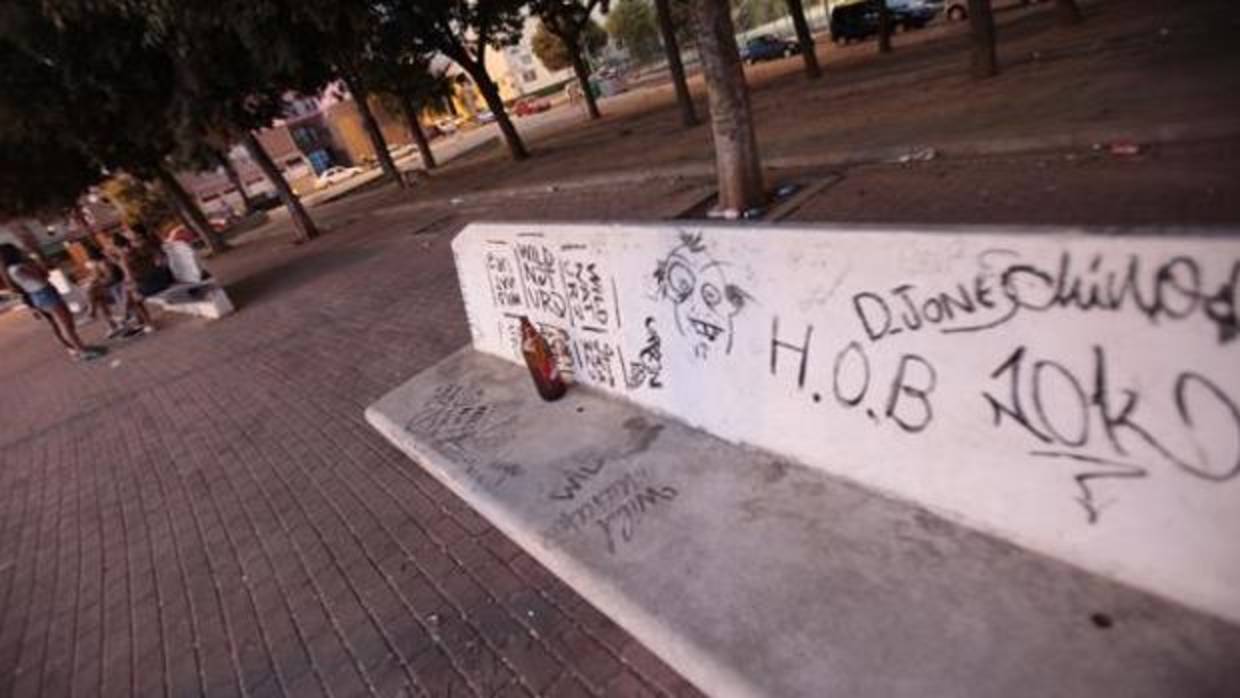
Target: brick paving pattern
(205, 512)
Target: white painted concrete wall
(1078, 394)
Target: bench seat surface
(755, 576)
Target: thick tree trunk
(804, 39)
(371, 126)
(736, 148)
(884, 27)
(675, 66)
(982, 30)
(582, 71)
(234, 179)
(490, 93)
(1069, 12)
(415, 130)
(306, 229)
(189, 212)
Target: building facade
(518, 72)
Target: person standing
(144, 276)
(103, 279)
(30, 279)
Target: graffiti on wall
(1075, 409)
(704, 301)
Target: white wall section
(1076, 393)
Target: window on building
(527, 59)
(529, 76)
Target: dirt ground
(1185, 185)
(1132, 64)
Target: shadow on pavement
(296, 272)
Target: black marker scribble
(1088, 499)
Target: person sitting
(29, 278)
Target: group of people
(117, 282)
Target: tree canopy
(42, 178)
(462, 30)
(634, 25)
(76, 104)
(552, 52)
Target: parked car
(265, 201)
(958, 10)
(446, 126)
(912, 14)
(765, 47)
(531, 105)
(400, 150)
(486, 117)
(333, 175)
(853, 22)
(955, 10)
(859, 20)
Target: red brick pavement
(212, 517)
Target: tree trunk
(415, 130)
(30, 242)
(371, 126)
(234, 179)
(1069, 12)
(306, 230)
(982, 31)
(736, 148)
(582, 71)
(490, 93)
(189, 212)
(804, 39)
(674, 65)
(884, 27)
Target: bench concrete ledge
(755, 576)
(207, 300)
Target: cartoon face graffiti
(704, 300)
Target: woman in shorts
(30, 279)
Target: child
(102, 278)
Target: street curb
(1163, 134)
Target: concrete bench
(863, 462)
(194, 293)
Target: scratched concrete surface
(756, 577)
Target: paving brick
(594, 662)
(177, 521)
(568, 686)
(655, 671)
(629, 685)
(538, 668)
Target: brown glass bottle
(541, 362)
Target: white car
(398, 151)
(332, 175)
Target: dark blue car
(767, 48)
